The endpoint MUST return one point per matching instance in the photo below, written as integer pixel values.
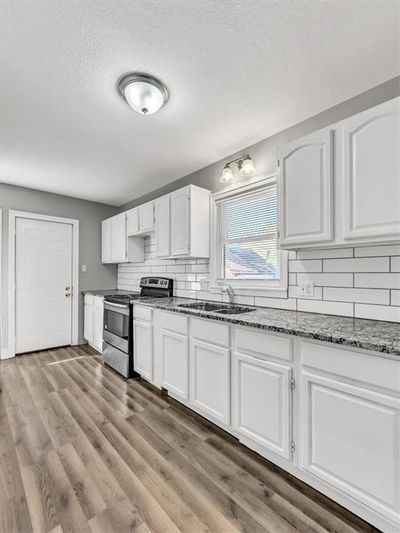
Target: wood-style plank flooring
(83, 450)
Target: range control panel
(157, 283)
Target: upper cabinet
(372, 173)
(341, 185)
(141, 219)
(163, 229)
(118, 239)
(305, 183)
(116, 247)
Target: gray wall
(264, 153)
(89, 214)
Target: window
(246, 239)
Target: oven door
(116, 325)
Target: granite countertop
(105, 292)
(376, 335)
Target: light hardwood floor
(83, 450)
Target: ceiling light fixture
(144, 93)
(245, 165)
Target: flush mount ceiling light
(144, 93)
(246, 169)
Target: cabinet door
(132, 221)
(210, 379)
(162, 215)
(106, 241)
(372, 173)
(98, 328)
(88, 323)
(118, 238)
(180, 222)
(143, 351)
(262, 402)
(146, 217)
(306, 190)
(351, 440)
(175, 363)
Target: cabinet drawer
(251, 340)
(174, 322)
(89, 299)
(372, 369)
(209, 331)
(143, 313)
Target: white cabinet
(118, 238)
(93, 321)
(163, 226)
(106, 241)
(182, 223)
(140, 220)
(306, 190)
(351, 440)
(175, 363)
(262, 402)
(340, 186)
(210, 378)
(143, 349)
(371, 193)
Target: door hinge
(292, 446)
(292, 383)
(277, 163)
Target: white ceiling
(237, 70)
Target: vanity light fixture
(144, 93)
(245, 165)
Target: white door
(262, 402)
(118, 238)
(132, 221)
(43, 284)
(351, 440)
(143, 352)
(210, 379)
(372, 172)
(146, 217)
(106, 241)
(306, 190)
(162, 227)
(180, 222)
(175, 363)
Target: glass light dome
(144, 93)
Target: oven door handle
(117, 308)
(112, 304)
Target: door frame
(13, 215)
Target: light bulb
(227, 175)
(246, 167)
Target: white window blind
(247, 227)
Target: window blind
(247, 236)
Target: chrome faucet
(228, 289)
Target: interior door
(43, 284)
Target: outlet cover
(306, 288)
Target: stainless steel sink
(217, 308)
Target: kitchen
(200, 267)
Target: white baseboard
(6, 354)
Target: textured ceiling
(237, 70)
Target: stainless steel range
(118, 322)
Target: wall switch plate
(306, 288)
(84, 268)
(204, 284)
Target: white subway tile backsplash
(362, 282)
(371, 296)
(377, 281)
(369, 264)
(378, 312)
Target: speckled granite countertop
(383, 337)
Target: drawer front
(371, 369)
(262, 343)
(209, 331)
(89, 299)
(174, 322)
(143, 313)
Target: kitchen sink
(217, 308)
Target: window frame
(244, 287)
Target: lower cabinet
(210, 379)
(175, 363)
(351, 440)
(143, 348)
(93, 321)
(262, 402)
